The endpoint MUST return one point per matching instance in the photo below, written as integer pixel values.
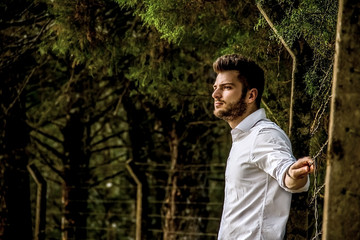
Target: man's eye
(227, 87)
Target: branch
(107, 162)
(293, 66)
(25, 22)
(28, 45)
(48, 163)
(49, 148)
(269, 110)
(101, 114)
(108, 147)
(120, 98)
(107, 138)
(46, 135)
(20, 91)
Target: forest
(107, 129)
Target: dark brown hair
(250, 74)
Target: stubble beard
(233, 110)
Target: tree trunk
(76, 176)
(342, 192)
(169, 207)
(15, 187)
(297, 227)
(140, 138)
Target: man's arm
(296, 175)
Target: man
(261, 171)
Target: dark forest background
(106, 117)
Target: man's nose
(216, 94)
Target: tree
(133, 82)
(341, 216)
(22, 25)
(171, 84)
(307, 29)
(72, 108)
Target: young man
(261, 171)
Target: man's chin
(222, 114)
(217, 113)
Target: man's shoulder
(268, 127)
(266, 123)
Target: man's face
(229, 103)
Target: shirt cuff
(302, 189)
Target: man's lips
(218, 103)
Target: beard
(232, 110)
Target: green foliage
(225, 27)
(84, 33)
(193, 21)
(314, 22)
(139, 71)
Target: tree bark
(76, 177)
(15, 181)
(170, 199)
(342, 192)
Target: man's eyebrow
(223, 84)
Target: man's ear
(252, 95)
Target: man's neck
(239, 119)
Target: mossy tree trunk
(342, 192)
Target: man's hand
(296, 175)
(301, 168)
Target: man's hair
(250, 74)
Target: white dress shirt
(257, 202)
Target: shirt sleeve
(272, 153)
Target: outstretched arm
(296, 175)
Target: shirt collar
(246, 124)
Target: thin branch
(45, 161)
(25, 22)
(50, 165)
(21, 90)
(120, 98)
(108, 148)
(104, 139)
(55, 139)
(293, 65)
(269, 110)
(107, 162)
(23, 51)
(95, 133)
(101, 114)
(49, 148)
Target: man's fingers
(300, 172)
(305, 161)
(302, 167)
